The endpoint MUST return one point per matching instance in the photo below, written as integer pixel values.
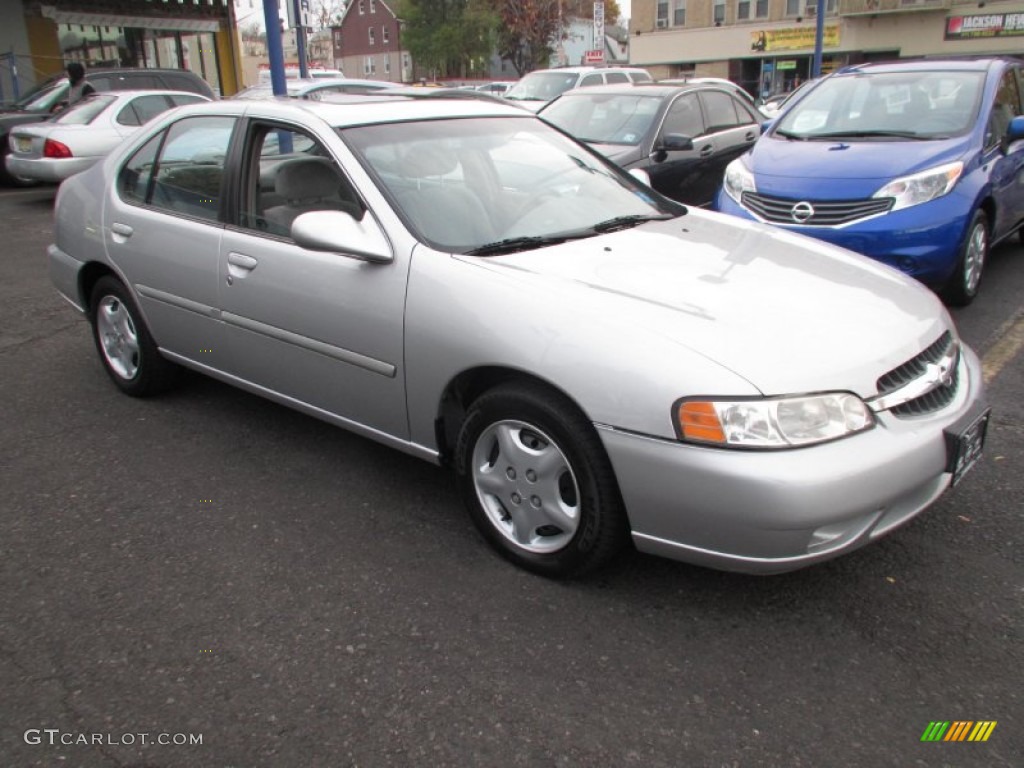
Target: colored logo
(958, 730)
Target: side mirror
(338, 232)
(674, 142)
(1014, 133)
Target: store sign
(599, 25)
(792, 38)
(593, 57)
(985, 25)
(787, 64)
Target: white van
(539, 87)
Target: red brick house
(367, 43)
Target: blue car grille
(915, 367)
(827, 213)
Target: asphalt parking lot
(209, 564)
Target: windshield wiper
(625, 222)
(513, 244)
(869, 135)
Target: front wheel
(962, 286)
(537, 482)
(127, 351)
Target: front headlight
(738, 179)
(921, 187)
(776, 423)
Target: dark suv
(52, 94)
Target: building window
(362, 7)
(795, 7)
(761, 9)
(662, 13)
(742, 9)
(385, 34)
(719, 12)
(373, 6)
(679, 13)
(369, 66)
(373, 37)
(387, 65)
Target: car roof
(926, 65)
(362, 110)
(646, 89)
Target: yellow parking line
(1009, 342)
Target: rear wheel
(962, 286)
(127, 351)
(537, 483)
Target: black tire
(126, 349)
(546, 498)
(962, 286)
(6, 177)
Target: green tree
(528, 31)
(449, 37)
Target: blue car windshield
(887, 106)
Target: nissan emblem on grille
(802, 212)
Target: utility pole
(274, 52)
(819, 39)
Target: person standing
(79, 87)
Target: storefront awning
(118, 20)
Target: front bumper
(48, 169)
(775, 511)
(922, 241)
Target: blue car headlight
(738, 179)
(921, 187)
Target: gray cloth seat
(309, 184)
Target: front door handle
(239, 265)
(242, 261)
(750, 136)
(706, 151)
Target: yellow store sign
(792, 38)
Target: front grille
(827, 213)
(935, 400)
(916, 367)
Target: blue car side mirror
(1014, 132)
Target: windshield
(886, 106)
(604, 118)
(463, 184)
(542, 86)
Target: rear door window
(617, 77)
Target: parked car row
(915, 164)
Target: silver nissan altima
(463, 282)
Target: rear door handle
(750, 136)
(120, 232)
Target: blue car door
(1007, 175)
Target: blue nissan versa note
(919, 165)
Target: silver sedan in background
(83, 133)
(463, 282)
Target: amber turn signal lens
(699, 421)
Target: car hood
(787, 313)
(843, 169)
